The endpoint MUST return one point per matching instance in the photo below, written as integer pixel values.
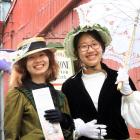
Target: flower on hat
(69, 39)
(30, 46)
(17, 55)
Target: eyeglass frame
(86, 46)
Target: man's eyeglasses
(85, 47)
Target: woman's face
(89, 51)
(37, 64)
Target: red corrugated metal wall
(30, 17)
(51, 19)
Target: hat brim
(34, 51)
(69, 40)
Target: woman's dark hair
(94, 34)
(51, 73)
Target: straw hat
(30, 46)
(69, 40)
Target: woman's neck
(38, 80)
(91, 69)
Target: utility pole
(4, 7)
(1, 107)
(1, 86)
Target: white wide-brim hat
(30, 46)
(69, 39)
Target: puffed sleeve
(13, 114)
(130, 109)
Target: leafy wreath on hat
(68, 41)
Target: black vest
(109, 104)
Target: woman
(34, 67)
(92, 92)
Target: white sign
(43, 102)
(65, 68)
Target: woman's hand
(90, 129)
(124, 78)
(56, 116)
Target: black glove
(53, 116)
(56, 116)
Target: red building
(48, 18)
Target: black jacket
(109, 104)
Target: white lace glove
(89, 129)
(124, 78)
